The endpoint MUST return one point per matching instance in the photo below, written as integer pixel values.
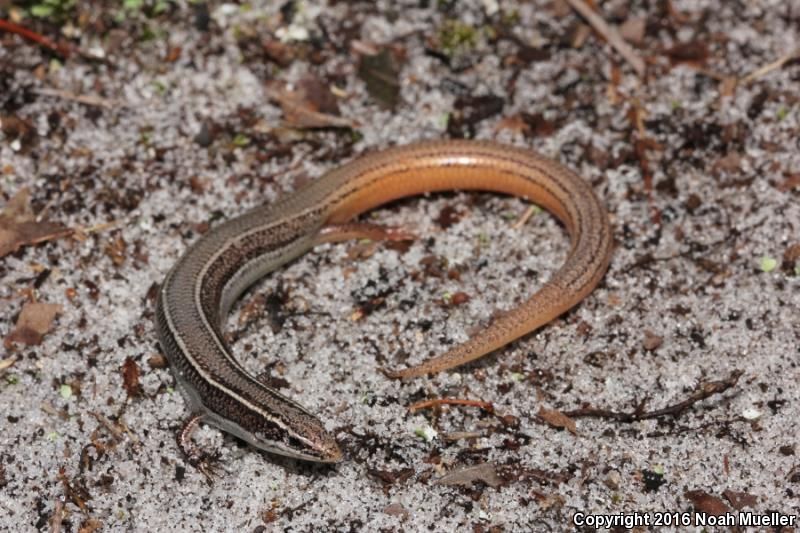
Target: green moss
(455, 37)
(510, 18)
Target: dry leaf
(485, 473)
(706, 503)
(694, 52)
(739, 500)
(396, 509)
(792, 181)
(382, 77)
(17, 128)
(651, 340)
(633, 30)
(18, 225)
(278, 52)
(309, 105)
(130, 377)
(557, 419)
(34, 321)
(515, 124)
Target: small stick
(766, 69)
(610, 34)
(108, 424)
(703, 391)
(98, 227)
(86, 99)
(521, 221)
(58, 516)
(428, 404)
(11, 27)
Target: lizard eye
(295, 444)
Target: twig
(109, 425)
(11, 27)
(610, 34)
(428, 404)
(74, 495)
(766, 69)
(521, 221)
(58, 516)
(703, 391)
(86, 99)
(98, 227)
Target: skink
(196, 295)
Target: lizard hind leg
(205, 462)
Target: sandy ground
(701, 176)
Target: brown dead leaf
(278, 52)
(485, 473)
(19, 227)
(633, 30)
(515, 124)
(34, 321)
(693, 52)
(130, 377)
(706, 503)
(115, 250)
(728, 86)
(557, 419)
(740, 500)
(651, 340)
(310, 104)
(730, 163)
(90, 525)
(397, 509)
(791, 257)
(17, 128)
(382, 77)
(792, 181)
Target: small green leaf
(427, 433)
(517, 376)
(65, 391)
(797, 269)
(170, 390)
(159, 87)
(132, 4)
(658, 469)
(768, 264)
(42, 10)
(12, 379)
(241, 140)
(52, 436)
(783, 112)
